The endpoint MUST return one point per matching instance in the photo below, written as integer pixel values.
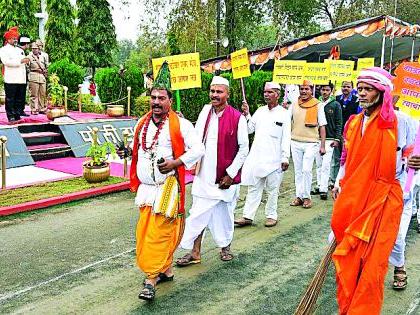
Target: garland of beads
(155, 138)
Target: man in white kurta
(214, 203)
(163, 145)
(308, 137)
(268, 157)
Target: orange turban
(13, 32)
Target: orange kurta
(366, 215)
(158, 236)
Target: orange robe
(157, 236)
(366, 216)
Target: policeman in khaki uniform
(37, 81)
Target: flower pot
(55, 112)
(115, 110)
(96, 174)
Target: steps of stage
(49, 151)
(44, 142)
(32, 138)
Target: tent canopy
(358, 39)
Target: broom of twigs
(308, 302)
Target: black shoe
(323, 196)
(315, 191)
(12, 120)
(17, 118)
(24, 114)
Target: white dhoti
(271, 184)
(303, 154)
(215, 214)
(323, 166)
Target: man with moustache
(369, 199)
(223, 131)
(269, 155)
(308, 137)
(14, 67)
(163, 146)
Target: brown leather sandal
(400, 279)
(307, 203)
(296, 202)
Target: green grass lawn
(53, 189)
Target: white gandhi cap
(271, 85)
(219, 81)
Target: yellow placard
(363, 63)
(341, 70)
(289, 71)
(410, 105)
(240, 64)
(185, 70)
(317, 73)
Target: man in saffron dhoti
(223, 130)
(367, 212)
(268, 157)
(163, 146)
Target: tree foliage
(20, 13)
(95, 34)
(59, 41)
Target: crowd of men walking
(345, 135)
(21, 70)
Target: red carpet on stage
(42, 119)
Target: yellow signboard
(410, 105)
(363, 63)
(185, 70)
(317, 73)
(240, 64)
(341, 70)
(289, 71)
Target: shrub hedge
(70, 74)
(193, 100)
(112, 86)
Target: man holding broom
(367, 211)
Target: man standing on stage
(164, 145)
(37, 81)
(268, 157)
(308, 137)
(14, 65)
(215, 191)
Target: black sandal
(148, 292)
(400, 279)
(162, 277)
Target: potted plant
(55, 91)
(96, 169)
